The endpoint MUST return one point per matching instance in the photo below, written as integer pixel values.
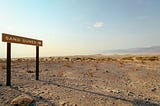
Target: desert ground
(93, 80)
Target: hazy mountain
(153, 49)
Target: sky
(80, 27)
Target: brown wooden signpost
(20, 40)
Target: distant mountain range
(145, 50)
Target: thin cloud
(142, 17)
(98, 24)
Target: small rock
(115, 91)
(107, 71)
(15, 87)
(0, 84)
(153, 89)
(147, 99)
(23, 100)
(83, 96)
(131, 94)
(63, 103)
(40, 97)
(74, 105)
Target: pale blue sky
(73, 27)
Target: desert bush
(3, 66)
(67, 65)
(111, 59)
(60, 73)
(46, 69)
(20, 60)
(78, 58)
(151, 58)
(67, 58)
(90, 58)
(30, 71)
(90, 73)
(127, 58)
(139, 58)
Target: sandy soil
(97, 80)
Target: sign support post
(20, 40)
(37, 62)
(8, 75)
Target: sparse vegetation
(67, 58)
(46, 69)
(149, 58)
(90, 74)
(60, 73)
(139, 58)
(128, 58)
(125, 75)
(111, 59)
(67, 65)
(153, 58)
(3, 66)
(30, 71)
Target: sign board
(21, 40)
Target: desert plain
(91, 80)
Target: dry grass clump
(67, 65)
(151, 58)
(60, 73)
(139, 58)
(111, 59)
(90, 58)
(20, 60)
(3, 66)
(128, 58)
(90, 74)
(67, 58)
(78, 59)
(46, 69)
(30, 71)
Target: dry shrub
(19, 60)
(139, 58)
(30, 71)
(67, 58)
(151, 58)
(3, 66)
(90, 74)
(67, 65)
(78, 59)
(127, 58)
(91, 59)
(60, 73)
(46, 69)
(111, 59)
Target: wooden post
(8, 75)
(37, 62)
(20, 40)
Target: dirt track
(85, 81)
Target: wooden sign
(21, 40)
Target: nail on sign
(21, 40)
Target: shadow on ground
(37, 98)
(135, 102)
